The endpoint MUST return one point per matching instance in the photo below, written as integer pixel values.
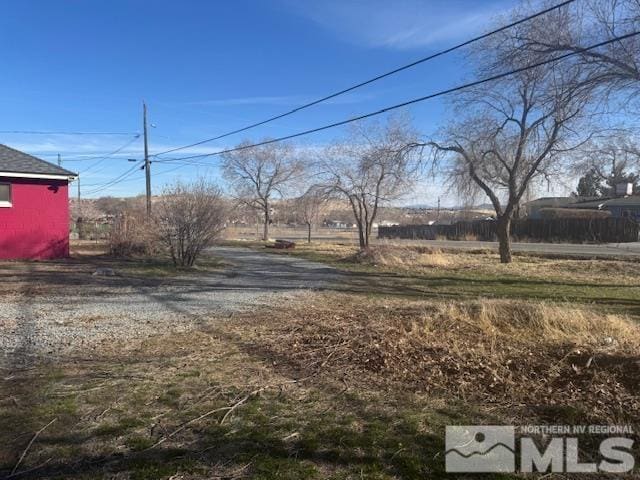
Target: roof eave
(48, 176)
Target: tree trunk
(367, 236)
(363, 243)
(308, 232)
(503, 231)
(265, 233)
(80, 228)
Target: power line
(102, 159)
(84, 158)
(126, 177)
(184, 162)
(118, 179)
(413, 101)
(37, 132)
(374, 79)
(393, 107)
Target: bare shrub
(133, 234)
(189, 218)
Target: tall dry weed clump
(534, 322)
(402, 257)
(133, 234)
(496, 351)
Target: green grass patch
(163, 267)
(378, 280)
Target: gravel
(60, 310)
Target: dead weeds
(506, 353)
(427, 259)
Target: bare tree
(613, 68)
(309, 207)
(258, 174)
(373, 166)
(514, 130)
(189, 217)
(611, 160)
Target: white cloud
(402, 24)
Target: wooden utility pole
(147, 170)
(79, 220)
(59, 160)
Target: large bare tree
(512, 131)
(371, 167)
(259, 174)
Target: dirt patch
(559, 361)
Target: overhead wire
(118, 179)
(374, 79)
(39, 132)
(412, 101)
(115, 152)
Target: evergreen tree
(590, 184)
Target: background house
(621, 207)
(34, 207)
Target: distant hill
(426, 206)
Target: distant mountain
(426, 206)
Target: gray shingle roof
(15, 161)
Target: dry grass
(158, 409)
(536, 323)
(381, 379)
(401, 257)
(420, 259)
(82, 248)
(508, 353)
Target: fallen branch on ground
(230, 409)
(24, 452)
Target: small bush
(189, 218)
(133, 234)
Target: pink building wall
(36, 226)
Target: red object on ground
(284, 244)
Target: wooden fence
(567, 230)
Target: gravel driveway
(54, 308)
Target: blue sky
(206, 67)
